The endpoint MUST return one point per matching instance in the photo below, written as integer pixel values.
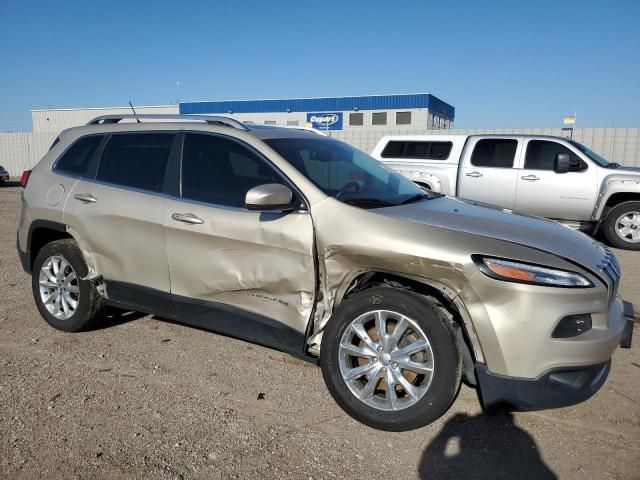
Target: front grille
(610, 267)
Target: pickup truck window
(346, 173)
(541, 155)
(603, 162)
(419, 150)
(494, 152)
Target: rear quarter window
(75, 160)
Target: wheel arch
(620, 197)
(42, 232)
(444, 299)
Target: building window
(356, 119)
(403, 118)
(270, 122)
(292, 123)
(379, 118)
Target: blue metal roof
(326, 104)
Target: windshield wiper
(367, 202)
(417, 197)
(613, 165)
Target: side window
(498, 152)
(419, 150)
(393, 149)
(76, 159)
(541, 155)
(440, 150)
(136, 160)
(220, 171)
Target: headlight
(519, 272)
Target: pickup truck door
(246, 273)
(487, 172)
(543, 192)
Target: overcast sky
(500, 64)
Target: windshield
(346, 173)
(603, 162)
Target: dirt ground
(142, 397)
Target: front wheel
(622, 226)
(390, 359)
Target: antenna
(134, 111)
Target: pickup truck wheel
(64, 299)
(390, 359)
(622, 226)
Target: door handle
(530, 178)
(85, 197)
(474, 174)
(189, 218)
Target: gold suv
(302, 243)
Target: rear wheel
(64, 299)
(622, 226)
(390, 359)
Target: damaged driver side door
(246, 273)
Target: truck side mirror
(562, 163)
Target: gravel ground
(142, 397)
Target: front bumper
(553, 389)
(558, 387)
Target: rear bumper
(24, 256)
(4, 177)
(558, 387)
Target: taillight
(25, 178)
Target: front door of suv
(117, 211)
(246, 273)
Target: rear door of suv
(246, 273)
(116, 211)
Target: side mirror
(269, 197)
(562, 163)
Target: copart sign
(325, 120)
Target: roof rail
(210, 119)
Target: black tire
(90, 309)
(446, 379)
(609, 225)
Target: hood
(494, 222)
(628, 170)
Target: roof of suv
(219, 124)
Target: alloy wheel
(386, 360)
(59, 288)
(628, 227)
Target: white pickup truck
(552, 177)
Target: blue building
(411, 112)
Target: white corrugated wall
(21, 151)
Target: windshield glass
(603, 162)
(346, 173)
